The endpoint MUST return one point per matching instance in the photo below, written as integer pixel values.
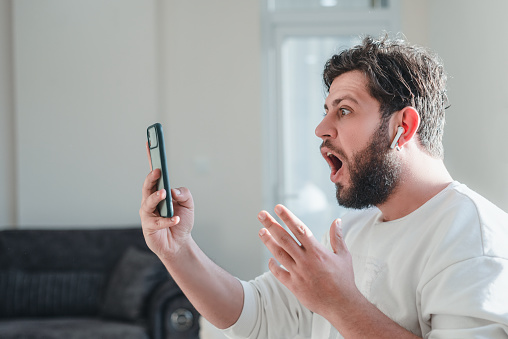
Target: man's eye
(344, 111)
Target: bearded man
(422, 257)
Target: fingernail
(177, 191)
(278, 209)
(262, 232)
(262, 216)
(338, 223)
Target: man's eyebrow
(338, 100)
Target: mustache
(327, 143)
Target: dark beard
(374, 173)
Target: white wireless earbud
(395, 141)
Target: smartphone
(157, 156)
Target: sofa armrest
(170, 314)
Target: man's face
(356, 144)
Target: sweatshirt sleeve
(270, 311)
(467, 300)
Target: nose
(325, 129)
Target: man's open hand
(322, 280)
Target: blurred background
(237, 87)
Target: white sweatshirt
(439, 272)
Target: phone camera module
(152, 138)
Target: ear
(409, 119)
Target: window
(298, 37)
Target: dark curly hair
(399, 75)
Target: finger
(149, 205)
(282, 237)
(150, 183)
(277, 251)
(155, 225)
(149, 155)
(159, 223)
(183, 197)
(296, 226)
(150, 217)
(336, 237)
(279, 272)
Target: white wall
(212, 99)
(7, 145)
(85, 87)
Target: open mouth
(334, 162)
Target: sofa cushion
(135, 275)
(34, 294)
(69, 328)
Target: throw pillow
(135, 275)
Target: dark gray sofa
(84, 284)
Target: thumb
(183, 197)
(336, 237)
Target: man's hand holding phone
(206, 285)
(167, 216)
(165, 236)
